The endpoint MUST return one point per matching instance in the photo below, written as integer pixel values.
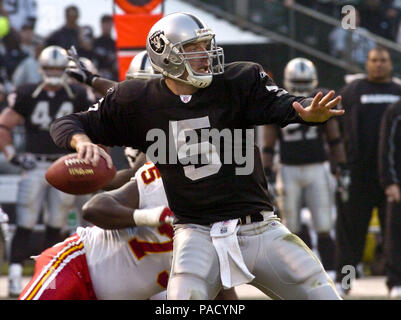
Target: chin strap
(67, 88)
(65, 85)
(38, 90)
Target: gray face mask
(54, 80)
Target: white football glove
(153, 217)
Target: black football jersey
(301, 144)
(40, 112)
(364, 103)
(143, 113)
(390, 146)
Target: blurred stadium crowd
(20, 48)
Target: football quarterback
(226, 233)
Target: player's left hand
(78, 70)
(321, 108)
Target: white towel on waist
(233, 271)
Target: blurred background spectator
(67, 35)
(85, 43)
(20, 13)
(13, 54)
(379, 18)
(349, 45)
(27, 70)
(29, 40)
(105, 49)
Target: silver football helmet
(52, 64)
(300, 77)
(89, 65)
(86, 62)
(141, 68)
(165, 46)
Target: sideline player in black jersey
(37, 105)
(390, 179)
(365, 101)
(215, 196)
(304, 177)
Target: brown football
(74, 176)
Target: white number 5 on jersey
(205, 148)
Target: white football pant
(34, 193)
(312, 186)
(283, 266)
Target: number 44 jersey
(131, 263)
(39, 112)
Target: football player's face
(199, 59)
(54, 72)
(378, 65)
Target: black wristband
(91, 77)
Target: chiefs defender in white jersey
(132, 262)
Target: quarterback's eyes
(198, 46)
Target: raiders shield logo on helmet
(157, 43)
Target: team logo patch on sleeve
(156, 42)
